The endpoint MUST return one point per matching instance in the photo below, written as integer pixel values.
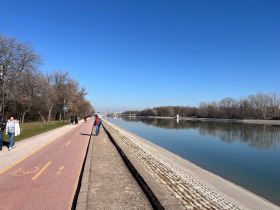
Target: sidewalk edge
(80, 197)
(142, 183)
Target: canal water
(245, 154)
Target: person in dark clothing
(76, 120)
(2, 128)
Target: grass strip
(35, 128)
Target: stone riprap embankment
(178, 183)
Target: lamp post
(2, 74)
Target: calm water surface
(246, 154)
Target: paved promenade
(108, 183)
(42, 171)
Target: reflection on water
(246, 154)
(259, 136)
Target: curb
(80, 200)
(142, 183)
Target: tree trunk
(23, 116)
(41, 116)
(50, 113)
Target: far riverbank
(268, 122)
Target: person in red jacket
(85, 118)
(97, 123)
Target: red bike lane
(48, 178)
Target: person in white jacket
(12, 129)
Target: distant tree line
(260, 106)
(31, 94)
(259, 136)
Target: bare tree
(29, 93)
(19, 58)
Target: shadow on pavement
(85, 134)
(6, 143)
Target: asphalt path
(48, 178)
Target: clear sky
(134, 54)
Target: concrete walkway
(109, 184)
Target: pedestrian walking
(12, 129)
(2, 128)
(85, 118)
(76, 120)
(97, 123)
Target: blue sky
(134, 54)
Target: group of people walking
(12, 130)
(74, 119)
(97, 122)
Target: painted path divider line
(68, 143)
(41, 171)
(60, 170)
